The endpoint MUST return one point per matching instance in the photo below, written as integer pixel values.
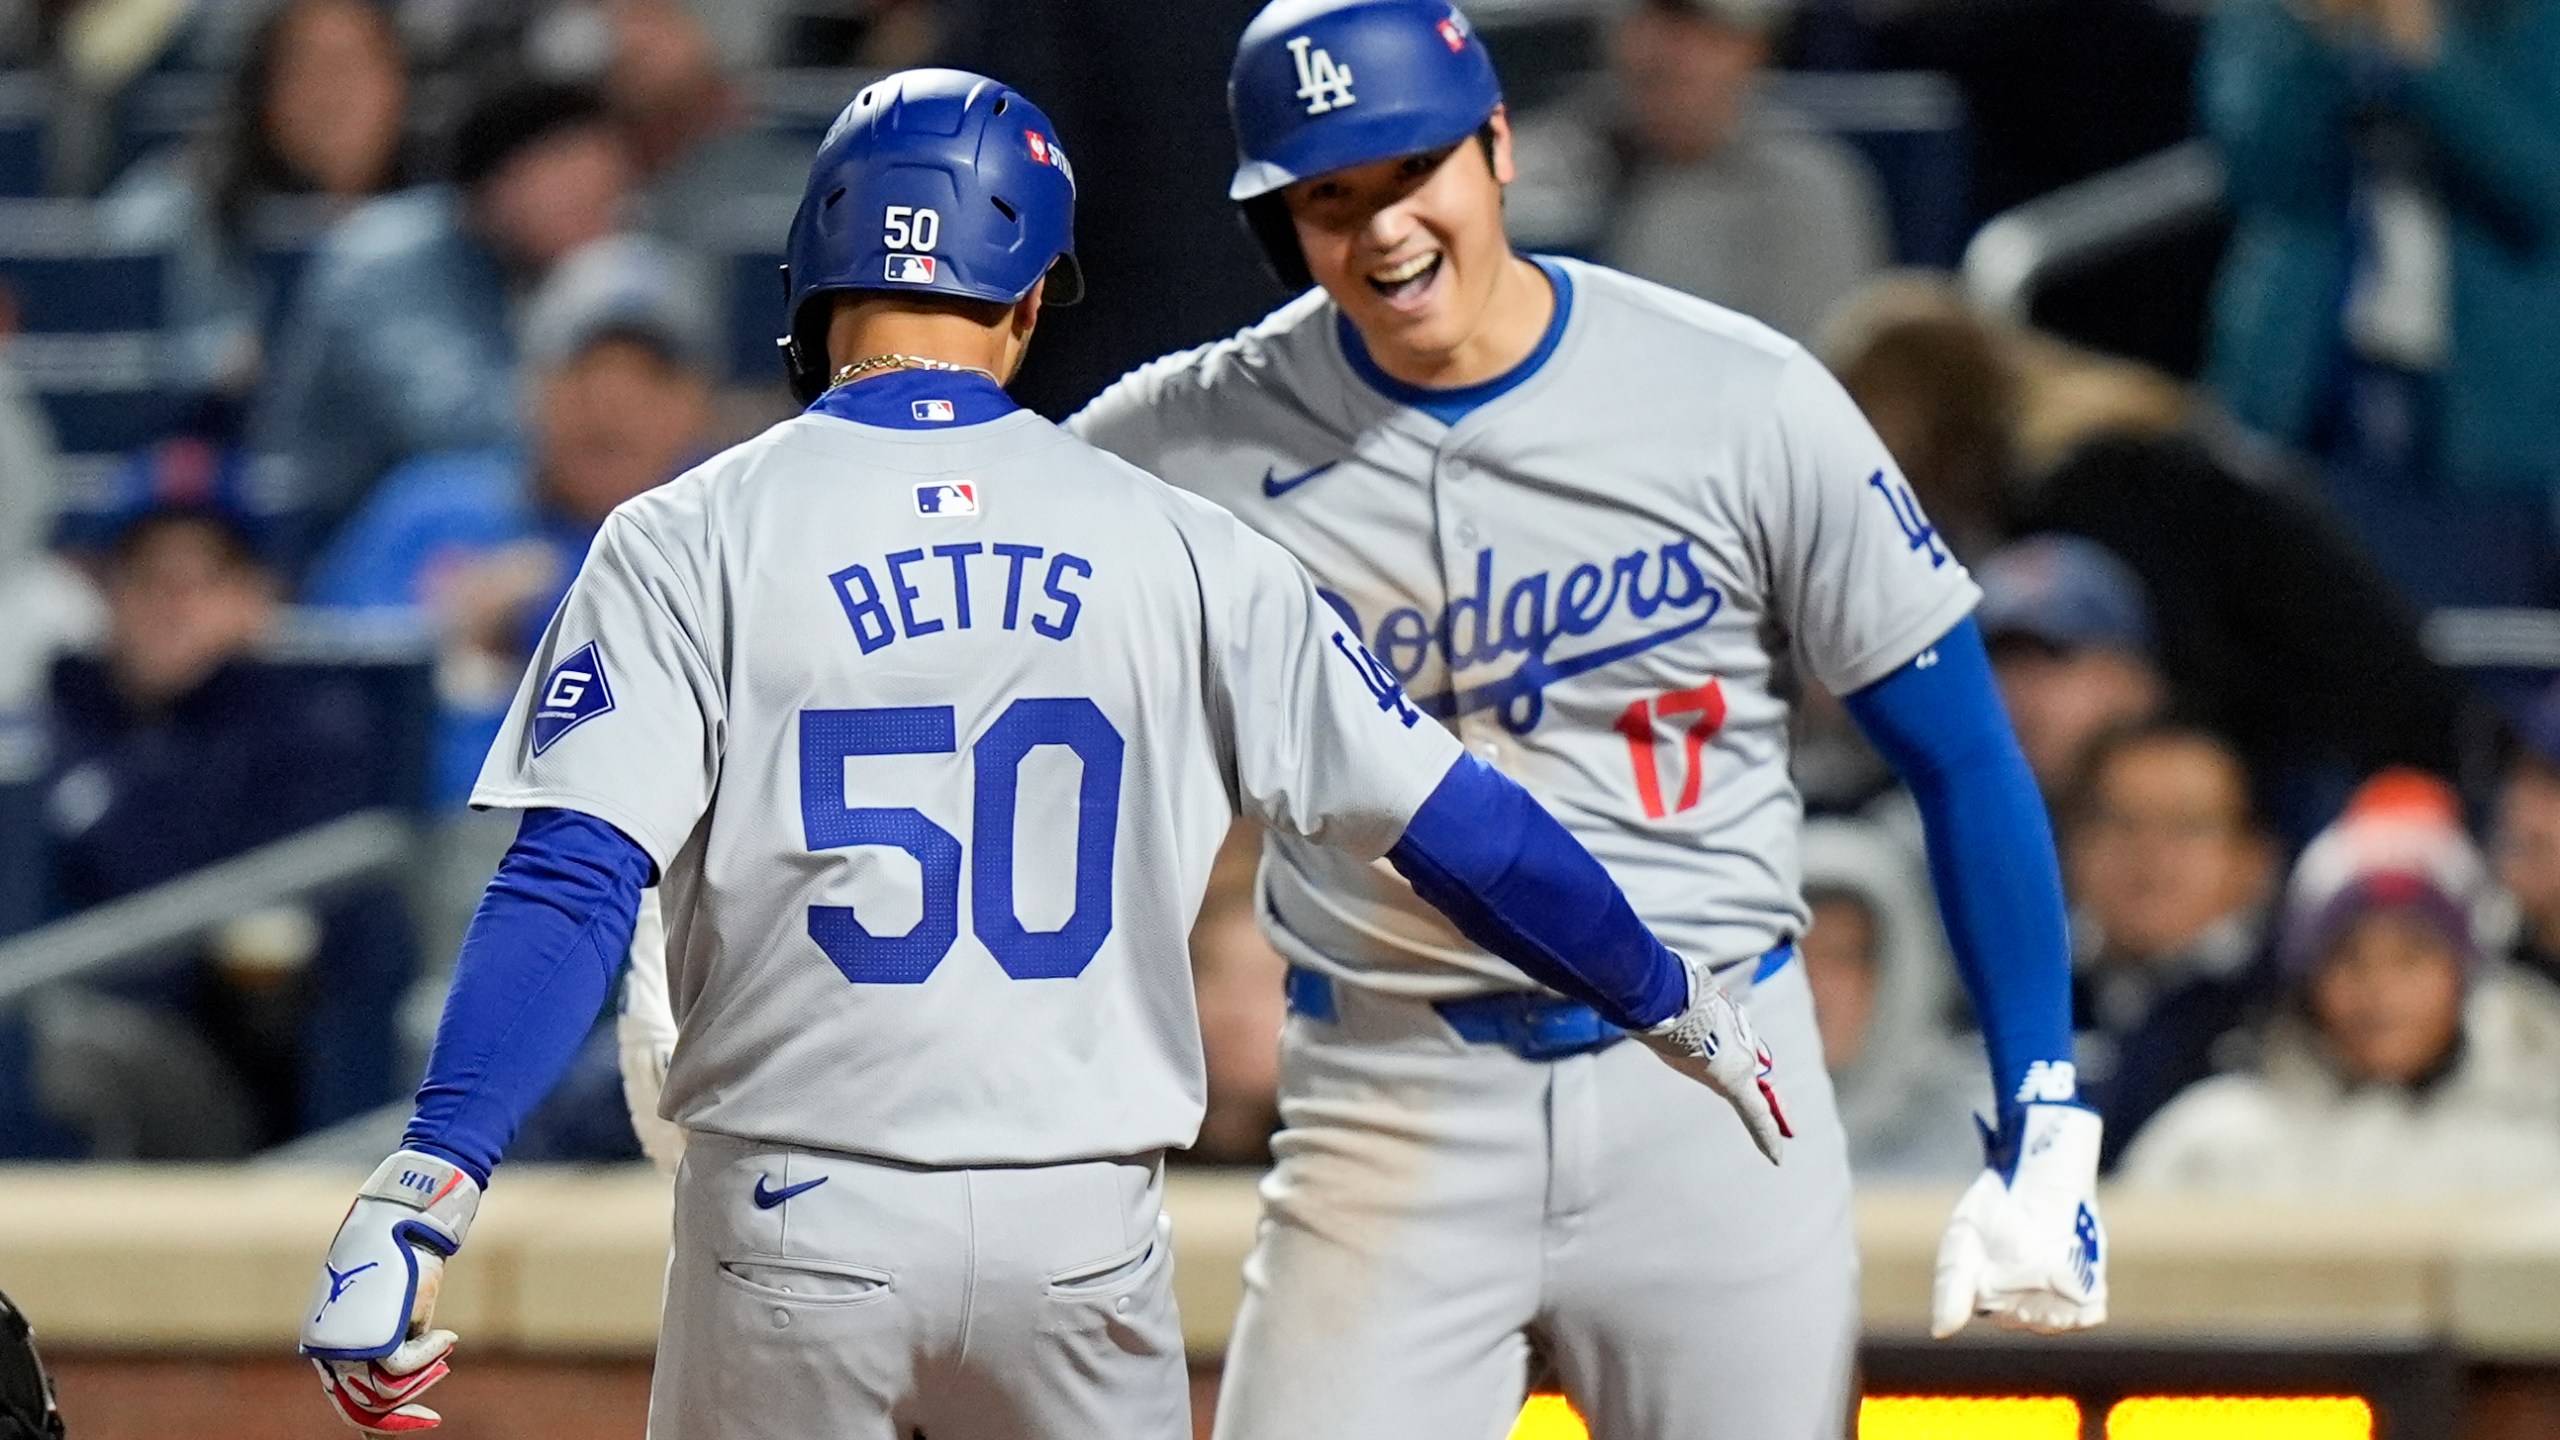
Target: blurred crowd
(442, 282)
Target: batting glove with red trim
(1712, 1042)
(368, 1330)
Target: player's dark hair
(1266, 221)
(809, 335)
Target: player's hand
(2025, 1247)
(1712, 1043)
(367, 1327)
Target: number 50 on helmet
(931, 182)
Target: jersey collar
(917, 400)
(1453, 404)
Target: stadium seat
(23, 108)
(88, 314)
(164, 109)
(392, 669)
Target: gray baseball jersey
(932, 733)
(1591, 577)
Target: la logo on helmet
(1321, 83)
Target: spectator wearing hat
(2071, 645)
(2401, 1065)
(173, 748)
(2171, 876)
(620, 359)
(2528, 836)
(402, 341)
(1696, 180)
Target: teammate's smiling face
(1413, 250)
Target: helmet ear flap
(1066, 280)
(804, 350)
(1266, 219)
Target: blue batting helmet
(932, 182)
(1323, 85)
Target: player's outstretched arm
(1514, 880)
(1328, 747)
(534, 971)
(2025, 1247)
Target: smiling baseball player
(929, 719)
(1584, 518)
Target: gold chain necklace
(876, 364)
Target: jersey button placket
(1460, 540)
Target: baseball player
(928, 720)
(1583, 519)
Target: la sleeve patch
(575, 692)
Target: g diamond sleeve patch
(574, 693)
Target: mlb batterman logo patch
(932, 412)
(947, 497)
(574, 693)
(910, 270)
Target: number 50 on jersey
(829, 738)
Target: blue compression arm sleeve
(536, 968)
(1517, 883)
(1939, 722)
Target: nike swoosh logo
(767, 1199)
(1275, 487)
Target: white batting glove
(368, 1332)
(645, 1033)
(1712, 1043)
(2025, 1246)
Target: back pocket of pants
(805, 1282)
(1114, 1273)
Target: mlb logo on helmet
(947, 498)
(933, 412)
(1454, 30)
(910, 270)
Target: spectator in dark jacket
(175, 749)
(2171, 876)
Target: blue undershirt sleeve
(1939, 722)
(1514, 881)
(536, 968)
